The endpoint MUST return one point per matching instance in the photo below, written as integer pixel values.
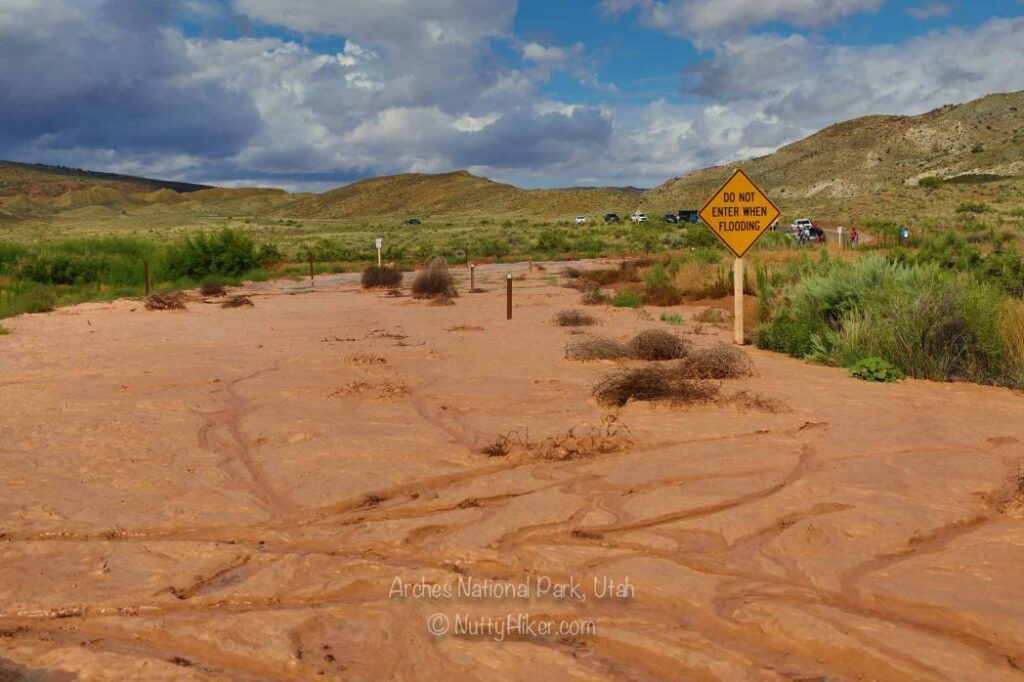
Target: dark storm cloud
(527, 139)
(119, 79)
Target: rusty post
(472, 277)
(508, 297)
(311, 269)
(145, 275)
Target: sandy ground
(296, 490)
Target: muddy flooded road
(300, 490)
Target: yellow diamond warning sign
(739, 213)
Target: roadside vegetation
(940, 314)
(42, 276)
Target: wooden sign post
(508, 297)
(739, 214)
(380, 245)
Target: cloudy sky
(311, 94)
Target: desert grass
(710, 316)
(674, 319)
(1012, 332)
(574, 318)
(596, 347)
(658, 344)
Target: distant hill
(416, 194)
(980, 140)
(853, 168)
(36, 180)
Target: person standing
(854, 235)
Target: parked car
(638, 217)
(687, 215)
(580, 219)
(801, 224)
(413, 221)
(670, 218)
(611, 217)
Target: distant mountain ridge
(978, 141)
(40, 180)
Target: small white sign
(380, 243)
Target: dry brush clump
(380, 277)
(716, 362)
(658, 344)
(653, 383)
(592, 295)
(609, 436)
(596, 347)
(435, 282)
(165, 300)
(575, 318)
(710, 316)
(237, 302)
(382, 390)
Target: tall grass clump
(627, 298)
(380, 277)
(434, 282)
(659, 290)
(929, 322)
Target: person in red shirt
(854, 235)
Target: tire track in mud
(221, 433)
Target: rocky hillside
(416, 195)
(38, 181)
(872, 154)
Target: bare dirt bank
(216, 494)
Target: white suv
(581, 219)
(638, 217)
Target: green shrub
(949, 251)
(268, 255)
(659, 290)
(37, 300)
(675, 319)
(930, 182)
(10, 254)
(61, 268)
(227, 252)
(626, 298)
(973, 207)
(875, 369)
(927, 321)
